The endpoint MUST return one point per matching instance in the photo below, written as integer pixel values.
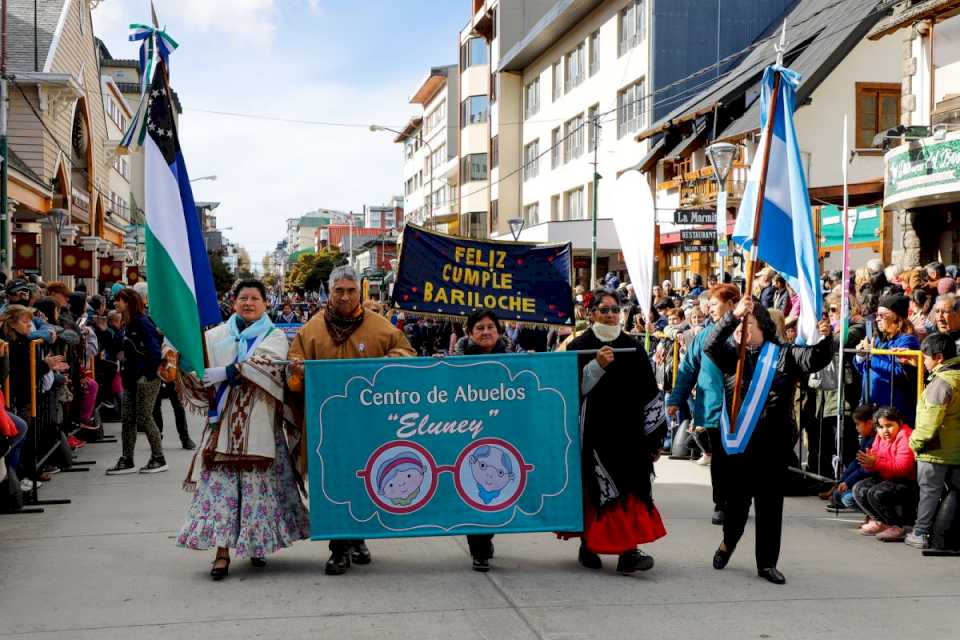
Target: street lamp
(721, 155)
(210, 178)
(55, 221)
(376, 127)
(516, 226)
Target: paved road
(105, 567)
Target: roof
(21, 54)
(338, 234)
(820, 34)
(207, 205)
(917, 10)
(560, 18)
(107, 60)
(408, 129)
(432, 83)
(21, 167)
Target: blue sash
(752, 403)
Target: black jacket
(467, 347)
(773, 437)
(141, 351)
(19, 369)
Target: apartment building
(430, 143)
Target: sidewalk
(106, 566)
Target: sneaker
(892, 534)
(26, 485)
(917, 540)
(51, 469)
(188, 444)
(338, 564)
(872, 528)
(836, 507)
(156, 465)
(633, 561)
(123, 467)
(76, 443)
(704, 460)
(717, 518)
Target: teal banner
(419, 446)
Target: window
(878, 109)
(555, 148)
(557, 81)
(531, 160)
(593, 127)
(531, 98)
(473, 52)
(631, 24)
(555, 207)
(630, 108)
(531, 214)
(474, 167)
(474, 224)
(594, 52)
(574, 68)
(573, 204)
(435, 118)
(475, 110)
(438, 157)
(494, 152)
(494, 213)
(573, 138)
(494, 86)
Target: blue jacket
(698, 370)
(887, 370)
(855, 472)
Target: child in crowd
(889, 496)
(842, 500)
(936, 439)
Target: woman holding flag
(246, 496)
(755, 454)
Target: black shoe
(721, 558)
(188, 444)
(481, 564)
(156, 465)
(360, 554)
(589, 559)
(124, 466)
(772, 575)
(633, 561)
(338, 564)
(259, 563)
(717, 518)
(219, 573)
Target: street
(106, 566)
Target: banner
(289, 328)
(74, 261)
(133, 275)
(635, 219)
(105, 270)
(26, 251)
(421, 446)
(453, 276)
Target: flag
(635, 221)
(182, 296)
(27, 254)
(786, 241)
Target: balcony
(698, 188)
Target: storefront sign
(699, 248)
(694, 216)
(923, 173)
(692, 235)
(453, 276)
(475, 444)
(864, 223)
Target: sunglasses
(608, 309)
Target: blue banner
(421, 446)
(290, 329)
(453, 276)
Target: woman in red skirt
(623, 426)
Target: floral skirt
(255, 512)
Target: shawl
(341, 328)
(242, 416)
(623, 422)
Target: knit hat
(899, 304)
(946, 285)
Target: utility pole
(596, 183)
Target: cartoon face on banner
(428, 447)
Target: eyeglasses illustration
(401, 477)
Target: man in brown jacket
(344, 329)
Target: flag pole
(844, 302)
(758, 214)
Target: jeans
(13, 456)
(933, 478)
(891, 502)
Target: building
(302, 232)
(921, 183)
(388, 216)
(842, 72)
(430, 144)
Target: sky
(343, 61)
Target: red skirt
(621, 527)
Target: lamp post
(211, 178)
(516, 227)
(721, 156)
(377, 127)
(55, 221)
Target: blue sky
(343, 61)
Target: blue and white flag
(786, 242)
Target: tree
(312, 270)
(244, 266)
(222, 278)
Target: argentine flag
(786, 241)
(182, 296)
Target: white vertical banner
(634, 216)
(722, 224)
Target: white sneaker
(704, 460)
(27, 485)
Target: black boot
(633, 561)
(338, 563)
(589, 559)
(360, 554)
(481, 564)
